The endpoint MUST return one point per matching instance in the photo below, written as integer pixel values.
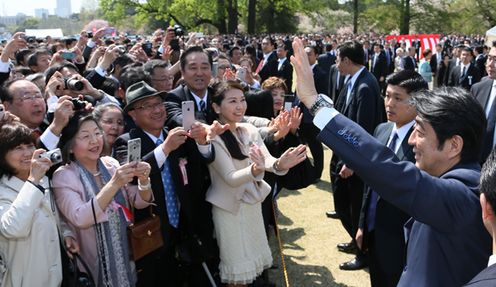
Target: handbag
(144, 236)
(73, 277)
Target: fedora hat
(139, 91)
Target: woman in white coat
(238, 188)
(29, 239)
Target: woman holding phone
(94, 195)
(238, 189)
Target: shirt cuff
(256, 85)
(4, 67)
(49, 139)
(160, 156)
(324, 116)
(205, 150)
(101, 71)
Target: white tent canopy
(490, 36)
(42, 33)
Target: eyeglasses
(112, 122)
(150, 107)
(88, 137)
(31, 97)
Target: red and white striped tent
(427, 41)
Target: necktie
(337, 80)
(491, 123)
(348, 92)
(171, 202)
(464, 68)
(203, 106)
(374, 197)
(260, 66)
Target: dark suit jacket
(409, 63)
(286, 73)
(471, 77)
(366, 106)
(380, 69)
(333, 92)
(173, 105)
(433, 63)
(269, 68)
(482, 91)
(320, 78)
(195, 213)
(480, 63)
(486, 278)
(451, 65)
(447, 242)
(326, 61)
(389, 220)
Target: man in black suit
(196, 68)
(336, 82)
(466, 74)
(436, 60)
(409, 62)
(485, 93)
(327, 59)
(379, 67)
(267, 67)
(284, 67)
(390, 56)
(361, 101)
(454, 62)
(366, 54)
(179, 180)
(381, 223)
(487, 277)
(480, 59)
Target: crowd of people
(73, 108)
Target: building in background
(41, 13)
(63, 8)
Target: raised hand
(39, 166)
(175, 139)
(292, 156)
(305, 85)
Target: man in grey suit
(381, 223)
(485, 93)
(447, 242)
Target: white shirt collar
(198, 99)
(401, 132)
(154, 138)
(492, 260)
(355, 77)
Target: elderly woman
(29, 240)
(398, 61)
(93, 193)
(110, 117)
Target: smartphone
(288, 102)
(188, 109)
(174, 43)
(134, 150)
(68, 55)
(242, 74)
(147, 48)
(89, 34)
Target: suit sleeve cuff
(324, 116)
(49, 139)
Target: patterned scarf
(111, 236)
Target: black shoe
(355, 264)
(332, 214)
(347, 247)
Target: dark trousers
(378, 276)
(348, 195)
(309, 132)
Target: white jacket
(29, 242)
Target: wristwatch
(321, 101)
